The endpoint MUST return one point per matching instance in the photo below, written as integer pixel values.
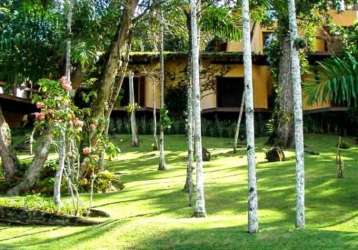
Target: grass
(152, 213)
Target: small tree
(63, 130)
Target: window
(229, 91)
(139, 91)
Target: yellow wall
(257, 41)
(346, 18)
(175, 71)
(175, 74)
(261, 81)
(208, 100)
(149, 97)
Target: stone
(275, 154)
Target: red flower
(86, 151)
(39, 116)
(77, 122)
(63, 80)
(66, 85)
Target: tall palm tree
(199, 210)
(218, 21)
(253, 225)
(298, 117)
(162, 164)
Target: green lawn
(152, 213)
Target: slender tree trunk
(116, 62)
(199, 210)
(253, 225)
(59, 172)
(68, 41)
(298, 117)
(189, 173)
(63, 145)
(162, 164)
(155, 136)
(242, 106)
(238, 124)
(8, 156)
(134, 129)
(32, 174)
(188, 187)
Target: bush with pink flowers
(58, 113)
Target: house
(16, 104)
(222, 71)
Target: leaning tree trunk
(132, 104)
(8, 156)
(162, 164)
(114, 97)
(253, 225)
(115, 63)
(238, 125)
(283, 131)
(298, 117)
(62, 149)
(32, 174)
(199, 210)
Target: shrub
(107, 181)
(345, 145)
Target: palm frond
(338, 83)
(221, 23)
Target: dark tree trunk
(8, 156)
(33, 172)
(283, 130)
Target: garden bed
(23, 216)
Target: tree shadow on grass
(238, 238)
(65, 241)
(29, 233)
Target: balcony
(22, 93)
